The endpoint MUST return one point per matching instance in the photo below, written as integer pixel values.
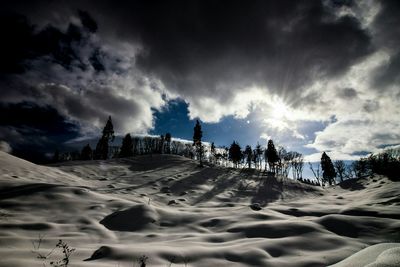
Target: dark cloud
(388, 74)
(385, 146)
(347, 93)
(92, 105)
(387, 31)
(341, 3)
(87, 21)
(96, 60)
(23, 43)
(210, 48)
(14, 49)
(385, 24)
(371, 106)
(70, 70)
(311, 100)
(31, 115)
(361, 153)
(32, 130)
(386, 139)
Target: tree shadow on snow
(155, 163)
(270, 190)
(203, 176)
(352, 184)
(224, 181)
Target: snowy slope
(174, 212)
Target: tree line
(385, 163)
(278, 160)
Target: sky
(312, 75)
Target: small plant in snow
(36, 248)
(142, 260)
(66, 251)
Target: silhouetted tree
(328, 170)
(287, 159)
(147, 145)
(316, 172)
(101, 151)
(197, 135)
(255, 158)
(87, 153)
(126, 147)
(174, 147)
(168, 139)
(385, 163)
(258, 155)
(136, 145)
(358, 169)
(235, 153)
(213, 153)
(225, 155)
(282, 165)
(75, 155)
(56, 156)
(340, 168)
(297, 165)
(161, 144)
(248, 153)
(108, 135)
(108, 130)
(271, 155)
(361, 168)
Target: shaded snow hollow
(172, 211)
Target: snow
(168, 208)
(379, 255)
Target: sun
(279, 114)
(279, 109)
(276, 114)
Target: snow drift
(172, 211)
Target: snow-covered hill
(172, 211)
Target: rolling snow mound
(175, 213)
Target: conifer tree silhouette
(108, 135)
(168, 139)
(56, 156)
(248, 152)
(87, 153)
(328, 170)
(235, 153)
(108, 130)
(258, 154)
(197, 135)
(271, 155)
(126, 147)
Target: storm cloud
(70, 70)
(211, 50)
(91, 59)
